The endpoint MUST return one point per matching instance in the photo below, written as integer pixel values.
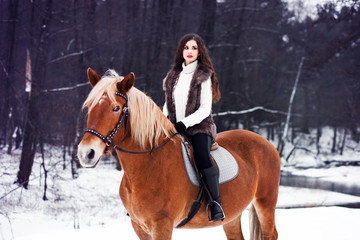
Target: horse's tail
(255, 228)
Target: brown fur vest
(201, 74)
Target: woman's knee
(202, 143)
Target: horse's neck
(148, 163)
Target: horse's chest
(125, 191)
(139, 196)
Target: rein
(124, 115)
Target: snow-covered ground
(305, 160)
(330, 223)
(89, 207)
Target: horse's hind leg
(265, 212)
(233, 229)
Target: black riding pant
(202, 144)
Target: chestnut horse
(155, 189)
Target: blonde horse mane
(147, 121)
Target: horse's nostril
(91, 154)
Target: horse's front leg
(159, 230)
(162, 229)
(143, 235)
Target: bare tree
(8, 109)
(291, 102)
(207, 20)
(33, 126)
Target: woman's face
(190, 52)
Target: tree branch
(4, 69)
(65, 88)
(69, 55)
(251, 110)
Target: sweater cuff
(185, 122)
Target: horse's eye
(116, 109)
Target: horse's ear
(93, 77)
(127, 83)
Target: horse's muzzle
(88, 156)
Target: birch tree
(291, 102)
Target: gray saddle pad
(227, 164)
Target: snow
(306, 223)
(89, 207)
(91, 203)
(331, 223)
(305, 161)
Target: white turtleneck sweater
(181, 96)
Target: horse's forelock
(107, 85)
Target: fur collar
(202, 73)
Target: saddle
(225, 163)
(186, 142)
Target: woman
(190, 88)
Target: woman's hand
(180, 127)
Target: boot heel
(215, 218)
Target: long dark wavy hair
(203, 59)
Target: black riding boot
(210, 180)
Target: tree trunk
(79, 131)
(33, 126)
(29, 144)
(343, 142)
(305, 118)
(207, 20)
(333, 149)
(44, 168)
(9, 103)
(286, 127)
(293, 134)
(79, 43)
(318, 136)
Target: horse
(155, 189)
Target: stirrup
(209, 215)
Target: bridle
(123, 116)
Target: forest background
(264, 53)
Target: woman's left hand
(180, 127)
